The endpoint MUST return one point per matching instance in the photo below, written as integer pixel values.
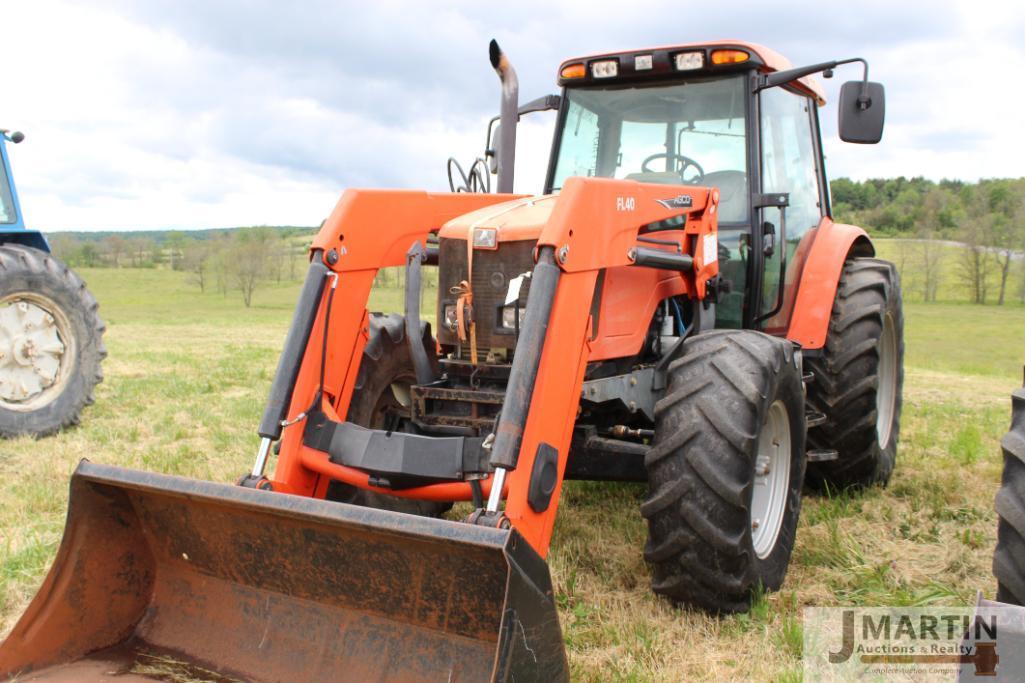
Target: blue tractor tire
(51, 343)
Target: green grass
(950, 283)
(966, 339)
(188, 373)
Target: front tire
(51, 343)
(1009, 556)
(859, 378)
(725, 470)
(385, 373)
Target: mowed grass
(185, 384)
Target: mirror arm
(789, 75)
(543, 103)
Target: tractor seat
(660, 177)
(732, 194)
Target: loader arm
(594, 226)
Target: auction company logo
(914, 643)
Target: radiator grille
(492, 272)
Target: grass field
(950, 279)
(188, 373)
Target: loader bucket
(222, 582)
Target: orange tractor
(676, 308)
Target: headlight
(485, 238)
(512, 317)
(686, 61)
(450, 320)
(608, 68)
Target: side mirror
(862, 111)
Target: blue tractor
(51, 335)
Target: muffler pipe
(509, 116)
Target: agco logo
(684, 201)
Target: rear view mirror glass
(861, 117)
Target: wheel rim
(394, 399)
(36, 346)
(772, 480)
(886, 393)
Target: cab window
(788, 165)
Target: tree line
(986, 219)
(238, 260)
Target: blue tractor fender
(26, 238)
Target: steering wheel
(681, 162)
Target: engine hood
(515, 220)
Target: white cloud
(203, 114)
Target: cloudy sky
(208, 113)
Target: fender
(833, 245)
(26, 238)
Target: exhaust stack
(506, 143)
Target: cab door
(790, 163)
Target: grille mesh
(492, 272)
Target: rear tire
(51, 341)
(1009, 556)
(859, 379)
(386, 361)
(725, 395)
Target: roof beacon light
(688, 61)
(606, 68)
(642, 63)
(574, 71)
(729, 57)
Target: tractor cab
(733, 116)
(10, 212)
(12, 225)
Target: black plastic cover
(543, 477)
(396, 459)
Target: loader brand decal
(916, 642)
(684, 201)
(625, 203)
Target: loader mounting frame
(371, 229)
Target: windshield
(7, 214)
(687, 133)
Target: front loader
(677, 308)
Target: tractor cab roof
(658, 63)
